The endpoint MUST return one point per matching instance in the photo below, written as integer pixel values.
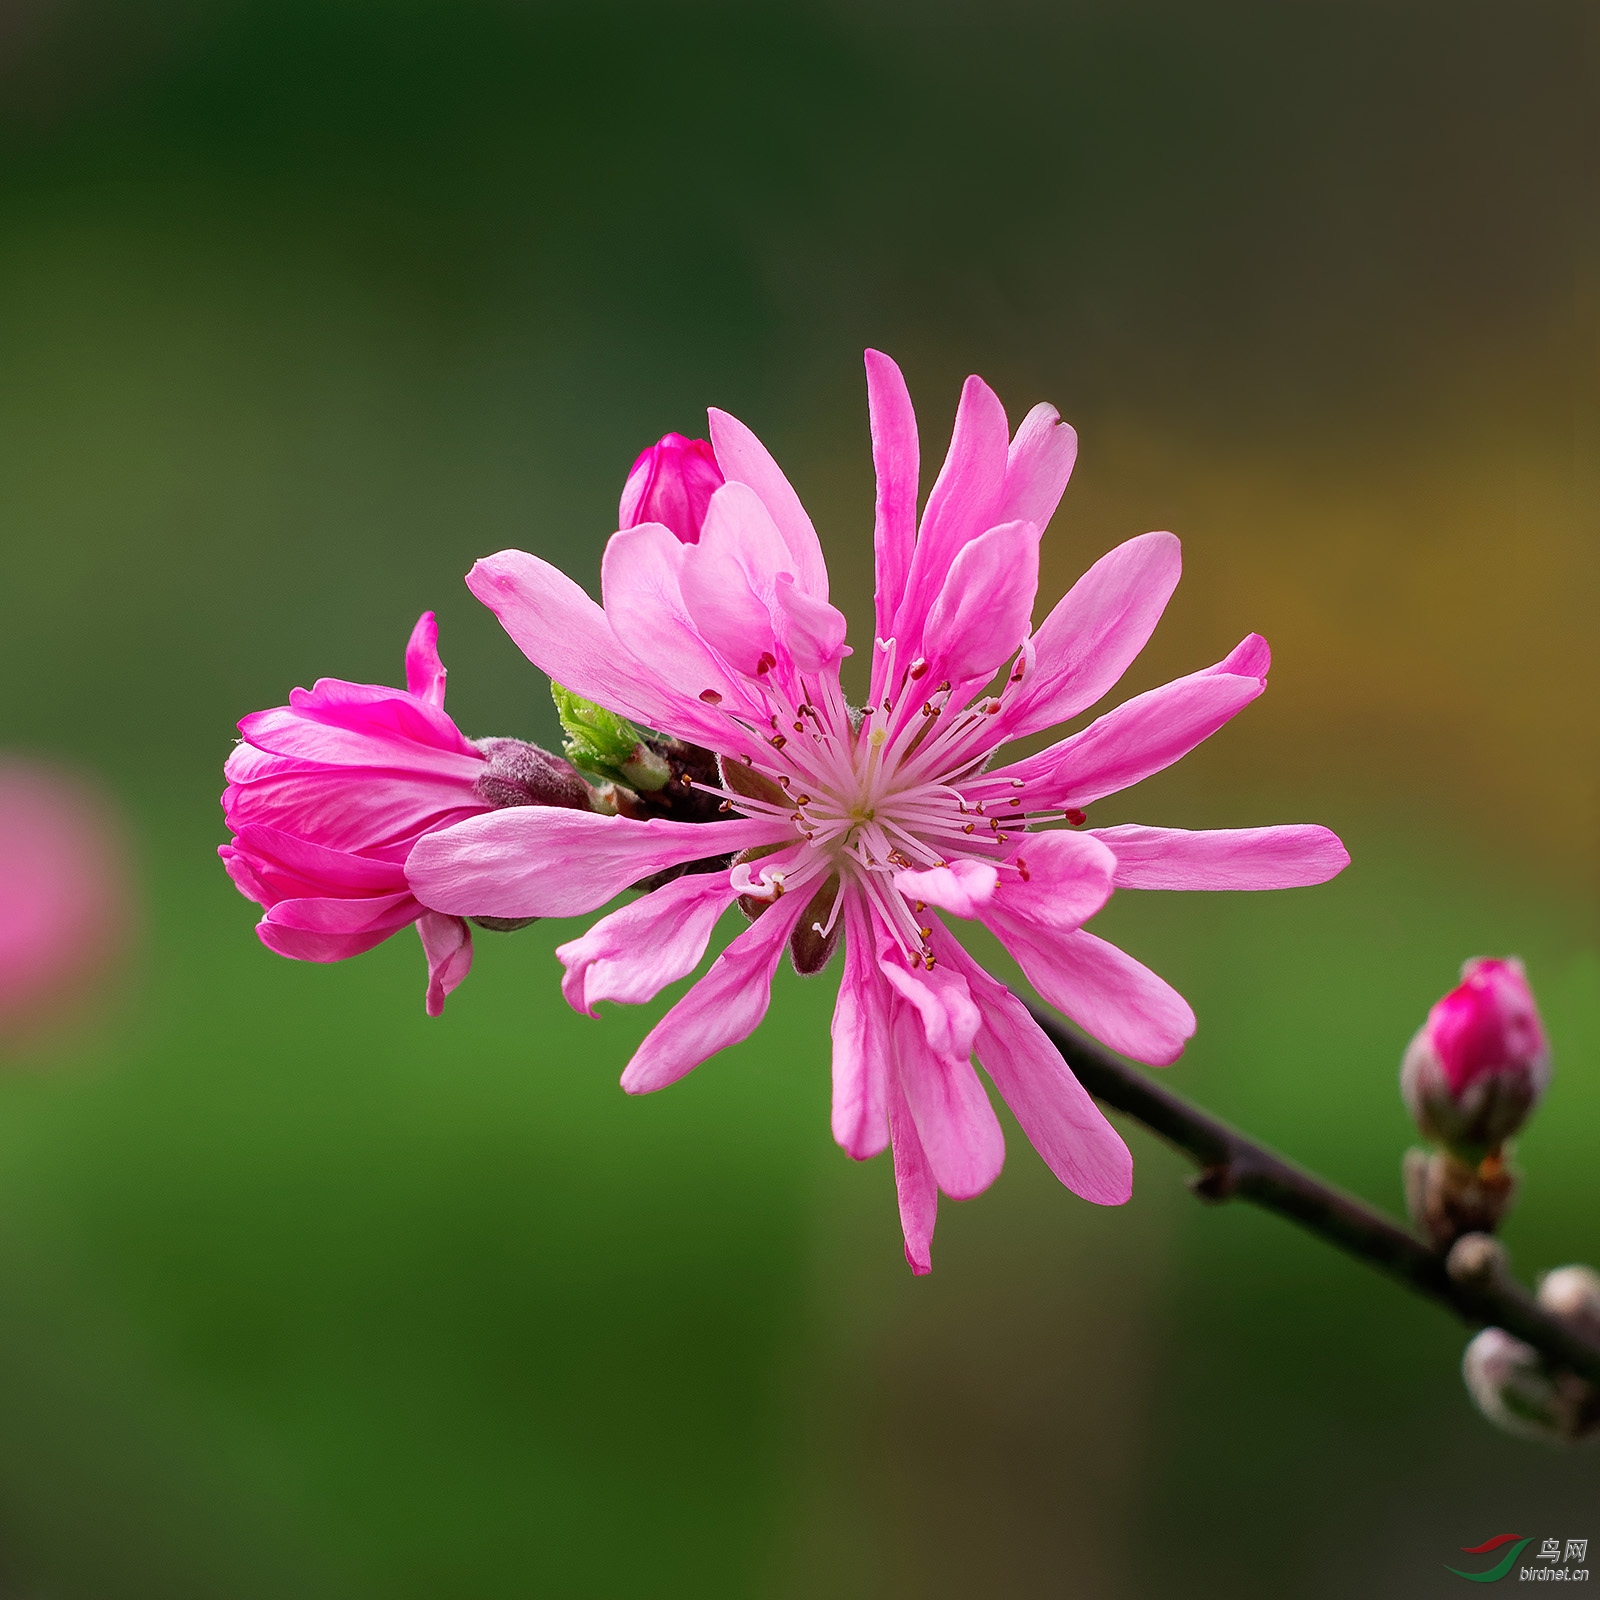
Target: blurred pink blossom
(671, 483)
(64, 890)
(1480, 1063)
(327, 796)
(869, 823)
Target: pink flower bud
(1480, 1063)
(671, 483)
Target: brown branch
(1470, 1280)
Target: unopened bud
(671, 483)
(1518, 1390)
(1447, 1197)
(606, 745)
(1573, 1294)
(1480, 1063)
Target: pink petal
(447, 943)
(1103, 990)
(300, 862)
(960, 888)
(861, 1049)
(641, 576)
(1286, 857)
(302, 944)
(744, 459)
(546, 861)
(1140, 737)
(914, 1184)
(896, 461)
(364, 725)
(425, 672)
(728, 581)
(374, 915)
(1250, 658)
(725, 1006)
(964, 503)
(1038, 465)
(1069, 878)
(812, 631)
(941, 1001)
(1092, 636)
(1056, 1112)
(633, 954)
(956, 1126)
(982, 614)
(348, 808)
(566, 635)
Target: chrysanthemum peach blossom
(328, 795)
(869, 823)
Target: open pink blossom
(64, 894)
(328, 795)
(876, 824)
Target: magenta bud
(671, 483)
(1480, 1063)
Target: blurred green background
(303, 306)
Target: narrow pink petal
(861, 1049)
(447, 943)
(302, 944)
(545, 861)
(1106, 992)
(728, 580)
(914, 1184)
(641, 576)
(364, 725)
(425, 672)
(725, 1006)
(811, 630)
(1287, 857)
(960, 888)
(1141, 736)
(1250, 658)
(381, 914)
(1069, 878)
(956, 1126)
(1038, 465)
(964, 503)
(982, 614)
(1092, 636)
(744, 459)
(633, 954)
(566, 635)
(246, 879)
(332, 870)
(896, 461)
(349, 808)
(1056, 1112)
(940, 1000)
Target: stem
(1469, 1280)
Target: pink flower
(671, 483)
(870, 824)
(63, 891)
(328, 795)
(1480, 1063)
